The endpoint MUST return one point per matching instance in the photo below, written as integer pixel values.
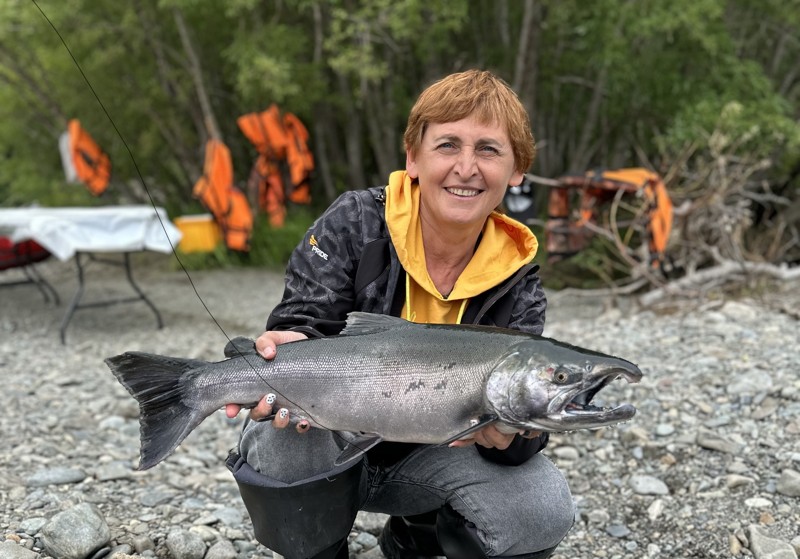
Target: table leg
(142, 296)
(44, 286)
(75, 304)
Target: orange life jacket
(228, 204)
(92, 166)
(278, 140)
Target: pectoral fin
(358, 444)
(483, 421)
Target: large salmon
(383, 378)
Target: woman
(428, 247)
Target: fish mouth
(573, 409)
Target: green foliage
(272, 247)
(597, 266)
(609, 83)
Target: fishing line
(186, 272)
(163, 227)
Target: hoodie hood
(505, 245)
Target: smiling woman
(431, 248)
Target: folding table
(83, 233)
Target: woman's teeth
(463, 192)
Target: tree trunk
(196, 71)
(526, 69)
(352, 130)
(381, 133)
(321, 124)
(582, 155)
(502, 22)
(523, 48)
(168, 127)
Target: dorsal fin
(361, 323)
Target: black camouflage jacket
(347, 262)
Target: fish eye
(560, 376)
(589, 367)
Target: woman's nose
(466, 165)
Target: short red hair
(476, 93)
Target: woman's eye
(488, 150)
(447, 146)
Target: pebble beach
(708, 468)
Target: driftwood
(702, 281)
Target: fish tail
(156, 383)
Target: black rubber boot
(458, 539)
(307, 519)
(410, 537)
(339, 550)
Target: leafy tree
(608, 83)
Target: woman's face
(463, 169)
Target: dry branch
(702, 281)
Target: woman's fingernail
(283, 414)
(270, 399)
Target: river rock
(183, 544)
(712, 441)
(76, 532)
(223, 549)
(648, 485)
(55, 476)
(11, 550)
(789, 483)
(765, 547)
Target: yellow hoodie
(505, 246)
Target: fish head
(545, 385)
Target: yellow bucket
(200, 233)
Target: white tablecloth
(65, 231)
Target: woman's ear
(411, 165)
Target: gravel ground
(709, 467)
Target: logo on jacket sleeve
(315, 249)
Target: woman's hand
(267, 346)
(490, 437)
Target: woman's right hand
(267, 346)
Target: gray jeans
(516, 509)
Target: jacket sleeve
(319, 279)
(530, 304)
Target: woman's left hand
(490, 437)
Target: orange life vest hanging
(226, 203)
(83, 159)
(265, 178)
(299, 158)
(278, 140)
